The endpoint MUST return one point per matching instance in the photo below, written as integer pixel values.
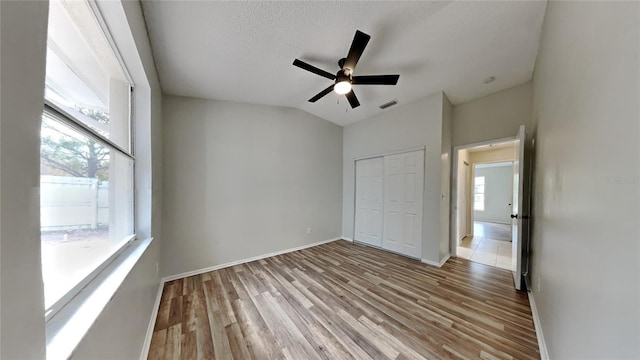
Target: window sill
(69, 326)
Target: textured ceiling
(242, 51)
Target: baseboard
(544, 354)
(436, 264)
(144, 355)
(444, 260)
(242, 261)
(493, 222)
(347, 239)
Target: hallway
(490, 245)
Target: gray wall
(245, 180)
(23, 31)
(407, 126)
(494, 116)
(586, 241)
(124, 320)
(498, 190)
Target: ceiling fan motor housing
(342, 76)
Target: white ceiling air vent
(388, 104)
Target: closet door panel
(403, 194)
(369, 201)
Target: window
(86, 159)
(478, 193)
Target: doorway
(487, 201)
(490, 245)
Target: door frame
(395, 152)
(466, 171)
(453, 214)
(412, 149)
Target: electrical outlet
(308, 231)
(538, 283)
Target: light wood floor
(343, 301)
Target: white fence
(69, 203)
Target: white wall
(124, 321)
(586, 240)
(494, 116)
(23, 36)
(245, 180)
(498, 194)
(407, 126)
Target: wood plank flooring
(345, 301)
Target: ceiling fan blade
(322, 93)
(375, 80)
(353, 100)
(303, 65)
(360, 41)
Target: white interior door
(463, 178)
(369, 201)
(468, 201)
(517, 209)
(403, 193)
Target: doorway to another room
(490, 244)
(485, 204)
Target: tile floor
(489, 246)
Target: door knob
(514, 216)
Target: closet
(389, 195)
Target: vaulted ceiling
(243, 51)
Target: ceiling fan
(344, 79)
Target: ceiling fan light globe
(342, 87)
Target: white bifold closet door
(369, 201)
(401, 189)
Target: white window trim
(56, 307)
(66, 330)
(66, 118)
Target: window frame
(62, 116)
